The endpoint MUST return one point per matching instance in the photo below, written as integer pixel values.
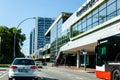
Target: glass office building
(30, 48)
(32, 41)
(39, 40)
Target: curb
(88, 70)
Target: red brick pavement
(89, 70)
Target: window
(111, 11)
(95, 20)
(102, 7)
(79, 24)
(89, 23)
(23, 62)
(118, 7)
(84, 24)
(103, 50)
(105, 12)
(102, 16)
(110, 2)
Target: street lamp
(15, 35)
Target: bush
(4, 65)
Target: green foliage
(4, 65)
(7, 42)
(76, 32)
(60, 42)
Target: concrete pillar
(78, 59)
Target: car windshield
(23, 62)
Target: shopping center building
(94, 20)
(57, 37)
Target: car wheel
(36, 79)
(116, 74)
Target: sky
(12, 12)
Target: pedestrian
(56, 64)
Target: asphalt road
(54, 73)
(3, 73)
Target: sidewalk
(88, 70)
(4, 68)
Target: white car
(23, 68)
(38, 64)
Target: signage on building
(86, 7)
(84, 52)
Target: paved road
(3, 73)
(53, 73)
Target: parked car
(39, 64)
(23, 68)
(44, 64)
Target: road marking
(3, 75)
(75, 77)
(78, 78)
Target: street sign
(84, 52)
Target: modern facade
(58, 38)
(30, 47)
(38, 40)
(32, 41)
(94, 20)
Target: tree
(7, 42)
(76, 32)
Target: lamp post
(14, 45)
